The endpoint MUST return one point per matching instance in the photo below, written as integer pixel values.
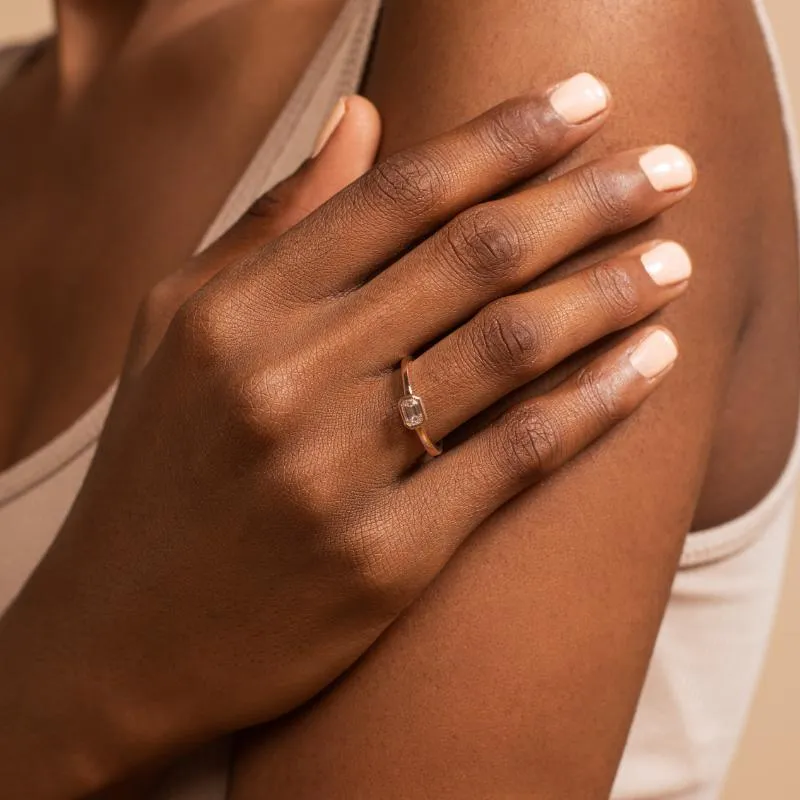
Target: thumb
(345, 150)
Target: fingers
(528, 443)
(347, 152)
(413, 192)
(518, 338)
(498, 247)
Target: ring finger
(525, 445)
(514, 340)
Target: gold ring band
(412, 410)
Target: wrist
(48, 746)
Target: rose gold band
(431, 448)
(412, 410)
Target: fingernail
(580, 98)
(668, 168)
(667, 263)
(337, 115)
(652, 356)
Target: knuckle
(506, 339)
(603, 196)
(615, 289)
(265, 403)
(318, 491)
(516, 136)
(374, 559)
(485, 244)
(597, 397)
(203, 332)
(532, 441)
(411, 181)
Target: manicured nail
(579, 99)
(667, 264)
(337, 115)
(652, 356)
(668, 168)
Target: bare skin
(482, 690)
(263, 368)
(547, 574)
(65, 314)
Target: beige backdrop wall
(768, 765)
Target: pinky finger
(531, 441)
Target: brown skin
(543, 575)
(290, 536)
(120, 123)
(518, 672)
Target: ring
(412, 410)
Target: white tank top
(712, 642)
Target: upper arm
(517, 674)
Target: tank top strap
(335, 70)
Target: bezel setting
(412, 411)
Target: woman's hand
(257, 514)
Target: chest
(103, 199)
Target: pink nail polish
(668, 168)
(667, 264)
(579, 99)
(655, 354)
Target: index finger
(415, 191)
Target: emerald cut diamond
(412, 411)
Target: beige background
(768, 765)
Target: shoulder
(697, 74)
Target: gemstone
(412, 410)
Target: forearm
(76, 717)
(56, 744)
(53, 740)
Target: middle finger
(495, 248)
